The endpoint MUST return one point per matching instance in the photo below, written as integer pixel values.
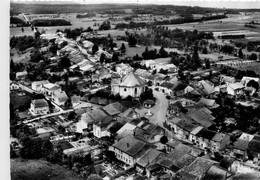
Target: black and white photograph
(132, 90)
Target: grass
(40, 170)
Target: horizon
(243, 4)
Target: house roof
(51, 86)
(246, 136)
(130, 145)
(130, 113)
(115, 127)
(219, 137)
(185, 160)
(241, 144)
(38, 103)
(207, 102)
(215, 172)
(246, 79)
(179, 86)
(196, 130)
(40, 82)
(127, 126)
(114, 108)
(186, 123)
(202, 118)
(226, 162)
(236, 86)
(186, 176)
(132, 80)
(206, 134)
(199, 166)
(254, 146)
(148, 157)
(179, 151)
(167, 85)
(61, 95)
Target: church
(129, 85)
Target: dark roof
(130, 145)
(115, 127)
(185, 176)
(174, 168)
(179, 86)
(254, 146)
(216, 172)
(206, 134)
(186, 123)
(114, 108)
(241, 144)
(202, 118)
(185, 160)
(226, 162)
(38, 103)
(256, 138)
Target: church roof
(131, 80)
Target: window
(135, 90)
(124, 89)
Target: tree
(22, 29)
(195, 58)
(102, 58)
(163, 53)
(36, 56)
(207, 63)
(94, 49)
(53, 49)
(12, 65)
(123, 49)
(64, 62)
(47, 149)
(205, 50)
(105, 25)
(253, 56)
(240, 53)
(164, 139)
(94, 177)
(132, 41)
(115, 57)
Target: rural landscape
(134, 92)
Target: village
(83, 102)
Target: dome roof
(132, 80)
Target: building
(246, 79)
(37, 85)
(123, 69)
(60, 97)
(39, 107)
(235, 89)
(130, 85)
(49, 89)
(21, 75)
(129, 150)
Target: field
(40, 170)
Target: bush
(50, 22)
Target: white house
(130, 85)
(100, 127)
(37, 85)
(59, 97)
(50, 88)
(123, 69)
(14, 86)
(39, 107)
(246, 79)
(235, 88)
(21, 75)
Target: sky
(245, 4)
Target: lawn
(40, 170)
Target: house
(216, 172)
(171, 68)
(253, 149)
(240, 149)
(37, 85)
(130, 85)
(149, 63)
(166, 87)
(209, 103)
(203, 138)
(14, 86)
(202, 117)
(21, 75)
(227, 79)
(123, 69)
(75, 100)
(207, 86)
(114, 109)
(59, 97)
(100, 127)
(199, 167)
(85, 123)
(147, 159)
(179, 89)
(129, 150)
(128, 115)
(49, 89)
(39, 107)
(235, 89)
(219, 142)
